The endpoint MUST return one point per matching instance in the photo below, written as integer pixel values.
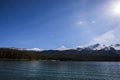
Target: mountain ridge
(96, 46)
(96, 52)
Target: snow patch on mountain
(62, 48)
(116, 46)
(35, 49)
(97, 46)
(79, 48)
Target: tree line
(73, 55)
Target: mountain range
(90, 47)
(96, 52)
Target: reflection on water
(59, 70)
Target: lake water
(59, 70)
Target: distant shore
(8, 54)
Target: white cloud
(80, 23)
(86, 22)
(93, 22)
(110, 37)
(107, 37)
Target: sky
(49, 24)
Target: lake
(59, 70)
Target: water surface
(59, 70)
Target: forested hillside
(83, 55)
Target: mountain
(31, 49)
(91, 47)
(79, 48)
(35, 49)
(96, 47)
(96, 52)
(116, 46)
(102, 47)
(62, 48)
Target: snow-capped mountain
(103, 47)
(116, 46)
(31, 49)
(91, 47)
(96, 47)
(35, 49)
(78, 48)
(95, 52)
(62, 48)
(99, 47)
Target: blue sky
(49, 24)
